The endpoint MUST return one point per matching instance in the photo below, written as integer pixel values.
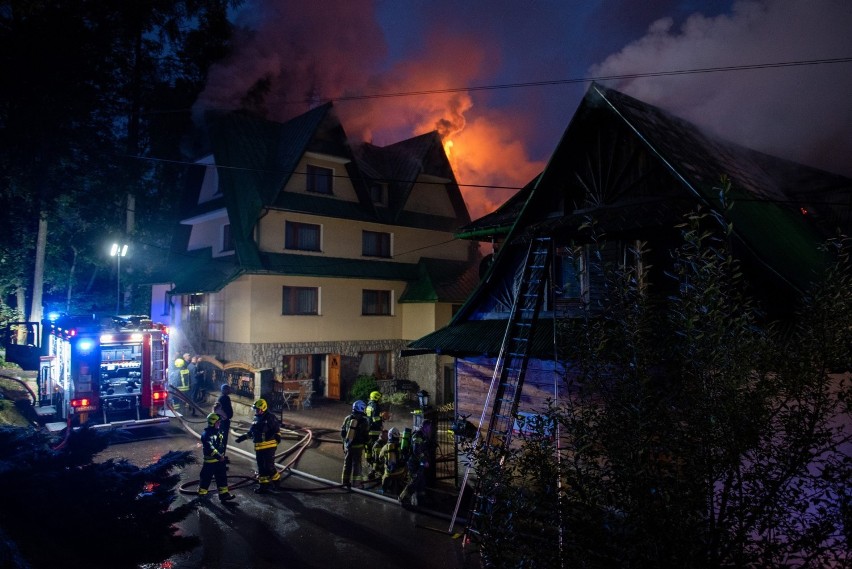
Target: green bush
(399, 398)
(364, 385)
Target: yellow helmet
(179, 362)
(212, 419)
(260, 405)
(375, 396)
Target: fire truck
(100, 373)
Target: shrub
(364, 385)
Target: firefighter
(355, 432)
(180, 380)
(214, 459)
(395, 470)
(418, 462)
(194, 381)
(375, 418)
(225, 409)
(264, 431)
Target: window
(571, 291)
(300, 300)
(296, 366)
(320, 180)
(569, 274)
(301, 236)
(375, 244)
(377, 364)
(377, 193)
(376, 302)
(227, 240)
(216, 316)
(632, 260)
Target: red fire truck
(99, 373)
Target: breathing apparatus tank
(405, 440)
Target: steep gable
(636, 170)
(401, 166)
(255, 158)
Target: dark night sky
(502, 137)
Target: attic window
(227, 243)
(378, 191)
(320, 180)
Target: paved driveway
(310, 523)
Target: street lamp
(419, 414)
(118, 251)
(423, 398)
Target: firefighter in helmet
(354, 432)
(375, 419)
(179, 379)
(393, 479)
(418, 462)
(264, 431)
(213, 448)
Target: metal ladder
(158, 370)
(508, 378)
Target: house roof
(200, 272)
(769, 195)
(255, 159)
(479, 338)
(441, 280)
(400, 166)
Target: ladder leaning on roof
(508, 378)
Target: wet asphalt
(311, 521)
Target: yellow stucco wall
(429, 195)
(340, 317)
(342, 238)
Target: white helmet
(393, 434)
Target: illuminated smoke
(290, 57)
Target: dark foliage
(107, 514)
(696, 434)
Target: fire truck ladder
(158, 370)
(508, 378)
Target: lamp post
(118, 251)
(420, 414)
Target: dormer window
(227, 243)
(320, 180)
(378, 191)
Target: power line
(552, 82)
(570, 81)
(480, 186)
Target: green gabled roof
(317, 266)
(255, 158)
(768, 192)
(201, 273)
(499, 222)
(441, 280)
(400, 165)
(479, 338)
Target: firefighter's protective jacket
(212, 444)
(374, 416)
(390, 455)
(264, 431)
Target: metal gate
(446, 449)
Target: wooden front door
(334, 376)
